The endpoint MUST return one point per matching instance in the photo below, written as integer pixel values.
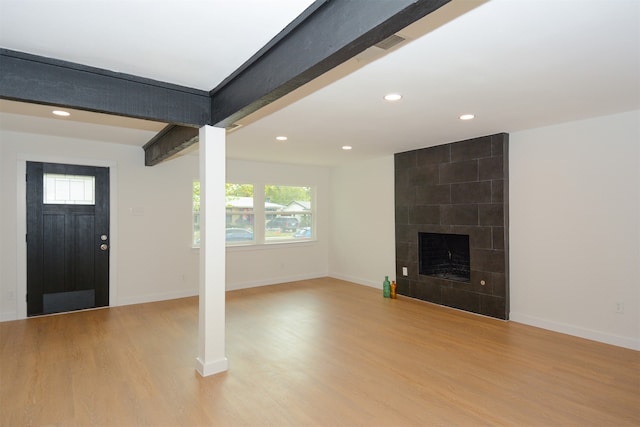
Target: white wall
(251, 266)
(362, 246)
(574, 228)
(5, 294)
(574, 225)
(151, 251)
(151, 223)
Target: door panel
(53, 259)
(84, 256)
(66, 269)
(67, 301)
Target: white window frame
(311, 211)
(259, 219)
(247, 242)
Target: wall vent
(233, 127)
(389, 42)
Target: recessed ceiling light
(347, 147)
(281, 138)
(61, 113)
(467, 117)
(393, 97)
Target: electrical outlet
(405, 271)
(619, 307)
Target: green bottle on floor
(386, 287)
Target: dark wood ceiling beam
(168, 142)
(327, 34)
(40, 80)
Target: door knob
(104, 247)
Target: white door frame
(21, 229)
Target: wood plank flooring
(320, 352)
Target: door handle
(104, 247)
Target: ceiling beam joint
(324, 36)
(169, 142)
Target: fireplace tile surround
(456, 188)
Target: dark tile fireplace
(452, 224)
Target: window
(68, 189)
(286, 215)
(239, 217)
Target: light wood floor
(311, 353)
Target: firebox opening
(445, 256)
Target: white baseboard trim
(211, 368)
(358, 280)
(273, 281)
(626, 342)
(141, 299)
(8, 315)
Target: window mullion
(258, 213)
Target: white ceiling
(515, 64)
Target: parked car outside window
(283, 223)
(303, 233)
(238, 235)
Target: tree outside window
(287, 213)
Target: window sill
(270, 245)
(264, 246)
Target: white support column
(211, 329)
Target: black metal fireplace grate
(444, 255)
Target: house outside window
(285, 215)
(240, 218)
(293, 219)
